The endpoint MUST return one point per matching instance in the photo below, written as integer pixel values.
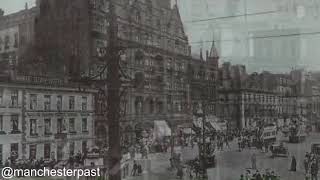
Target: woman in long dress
(254, 161)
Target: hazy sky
(231, 34)
(10, 6)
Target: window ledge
(48, 134)
(14, 106)
(16, 132)
(34, 135)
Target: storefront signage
(46, 114)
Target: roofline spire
(213, 50)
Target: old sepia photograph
(159, 89)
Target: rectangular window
(84, 125)
(47, 102)
(59, 103)
(33, 101)
(32, 151)
(84, 147)
(47, 126)
(61, 126)
(71, 149)
(158, 41)
(33, 127)
(71, 102)
(6, 42)
(14, 98)
(16, 40)
(71, 125)
(14, 150)
(14, 123)
(47, 151)
(84, 103)
(60, 151)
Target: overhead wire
(230, 17)
(265, 37)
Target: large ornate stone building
(203, 76)
(157, 61)
(16, 34)
(71, 39)
(44, 118)
(249, 100)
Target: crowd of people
(311, 166)
(257, 175)
(136, 169)
(248, 139)
(29, 163)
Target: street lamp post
(202, 145)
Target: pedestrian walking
(266, 147)
(139, 168)
(171, 163)
(253, 161)
(192, 143)
(227, 142)
(180, 172)
(242, 177)
(314, 170)
(134, 169)
(239, 144)
(306, 164)
(293, 166)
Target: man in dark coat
(293, 164)
(134, 169)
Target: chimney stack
(1, 12)
(38, 3)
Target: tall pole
(203, 157)
(113, 97)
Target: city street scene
(159, 89)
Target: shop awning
(185, 125)
(161, 129)
(212, 120)
(187, 131)
(215, 126)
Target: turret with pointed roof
(213, 57)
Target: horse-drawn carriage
(279, 150)
(252, 174)
(210, 162)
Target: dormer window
(138, 16)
